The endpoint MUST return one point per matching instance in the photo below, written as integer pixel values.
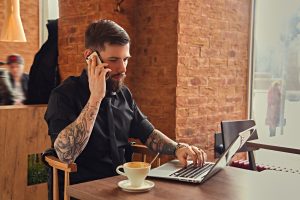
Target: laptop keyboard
(192, 171)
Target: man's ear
(87, 52)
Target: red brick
(204, 62)
(192, 101)
(209, 52)
(208, 91)
(181, 101)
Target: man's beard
(113, 85)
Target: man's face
(116, 56)
(16, 69)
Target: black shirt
(66, 103)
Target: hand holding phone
(90, 57)
(97, 74)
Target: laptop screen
(232, 149)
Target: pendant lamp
(12, 30)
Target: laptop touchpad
(170, 166)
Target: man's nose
(122, 66)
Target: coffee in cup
(136, 172)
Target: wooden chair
(143, 151)
(230, 131)
(51, 160)
(56, 165)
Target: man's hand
(158, 142)
(185, 151)
(97, 80)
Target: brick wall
(154, 75)
(29, 10)
(190, 59)
(212, 67)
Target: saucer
(126, 186)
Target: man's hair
(105, 31)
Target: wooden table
(230, 183)
(279, 143)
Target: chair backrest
(49, 157)
(230, 131)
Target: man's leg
(272, 131)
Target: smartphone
(98, 61)
(91, 56)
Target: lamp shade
(12, 30)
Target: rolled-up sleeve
(141, 127)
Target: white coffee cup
(136, 172)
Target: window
(48, 10)
(275, 92)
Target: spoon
(154, 158)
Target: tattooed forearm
(72, 140)
(159, 142)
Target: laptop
(173, 169)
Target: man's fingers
(89, 67)
(183, 160)
(201, 158)
(192, 154)
(93, 68)
(201, 155)
(205, 156)
(197, 155)
(100, 68)
(94, 64)
(105, 71)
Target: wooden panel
(23, 132)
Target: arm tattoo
(72, 140)
(158, 142)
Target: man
(91, 117)
(5, 88)
(17, 83)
